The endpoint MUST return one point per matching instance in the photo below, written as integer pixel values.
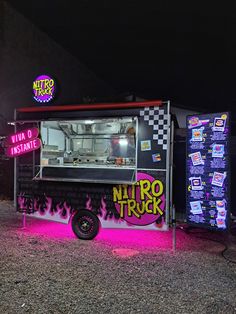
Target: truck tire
(85, 224)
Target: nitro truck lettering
(138, 199)
(146, 186)
(120, 193)
(43, 87)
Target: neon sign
(22, 148)
(22, 142)
(22, 136)
(43, 88)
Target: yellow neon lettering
(133, 190)
(125, 191)
(149, 211)
(35, 85)
(160, 188)
(51, 83)
(156, 208)
(141, 208)
(131, 208)
(144, 188)
(122, 203)
(117, 194)
(46, 83)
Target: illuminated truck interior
(100, 143)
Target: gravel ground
(45, 269)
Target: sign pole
(24, 220)
(172, 207)
(174, 230)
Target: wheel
(85, 224)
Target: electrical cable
(228, 259)
(222, 253)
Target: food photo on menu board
(207, 170)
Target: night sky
(184, 51)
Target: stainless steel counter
(91, 166)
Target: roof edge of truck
(91, 106)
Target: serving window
(98, 150)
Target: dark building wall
(25, 53)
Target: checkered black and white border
(157, 117)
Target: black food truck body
(92, 165)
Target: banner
(207, 170)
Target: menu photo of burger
(196, 183)
(220, 206)
(196, 158)
(218, 150)
(221, 214)
(196, 207)
(218, 178)
(219, 124)
(220, 223)
(194, 122)
(197, 135)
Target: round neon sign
(43, 88)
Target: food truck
(97, 165)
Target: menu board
(207, 170)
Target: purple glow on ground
(133, 241)
(48, 229)
(136, 239)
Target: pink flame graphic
(21, 201)
(88, 203)
(103, 207)
(61, 208)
